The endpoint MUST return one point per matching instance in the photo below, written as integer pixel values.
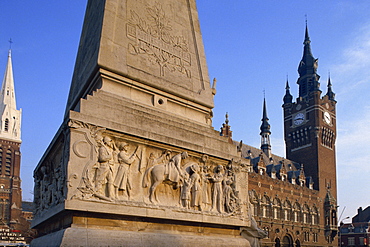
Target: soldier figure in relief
(104, 173)
(122, 179)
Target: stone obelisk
(136, 161)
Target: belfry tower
(10, 142)
(310, 130)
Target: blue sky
(251, 47)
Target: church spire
(265, 132)
(309, 80)
(10, 116)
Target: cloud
(352, 69)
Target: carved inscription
(153, 38)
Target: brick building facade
(294, 199)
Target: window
(276, 213)
(266, 207)
(295, 216)
(351, 241)
(6, 125)
(305, 217)
(306, 236)
(362, 242)
(8, 162)
(4, 209)
(264, 211)
(286, 214)
(315, 237)
(296, 212)
(315, 216)
(255, 209)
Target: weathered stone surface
(98, 237)
(156, 44)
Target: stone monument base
(99, 231)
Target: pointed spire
(330, 92)
(7, 91)
(307, 40)
(10, 116)
(265, 132)
(288, 98)
(309, 79)
(265, 126)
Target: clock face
(298, 118)
(327, 117)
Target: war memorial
(136, 161)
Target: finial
(227, 118)
(264, 93)
(214, 86)
(306, 18)
(10, 43)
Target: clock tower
(310, 124)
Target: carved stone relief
(50, 181)
(153, 39)
(125, 171)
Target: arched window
(297, 243)
(287, 208)
(314, 216)
(276, 209)
(277, 242)
(266, 206)
(253, 198)
(305, 214)
(6, 125)
(296, 212)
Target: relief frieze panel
(109, 167)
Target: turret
(330, 215)
(287, 97)
(265, 132)
(330, 92)
(226, 129)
